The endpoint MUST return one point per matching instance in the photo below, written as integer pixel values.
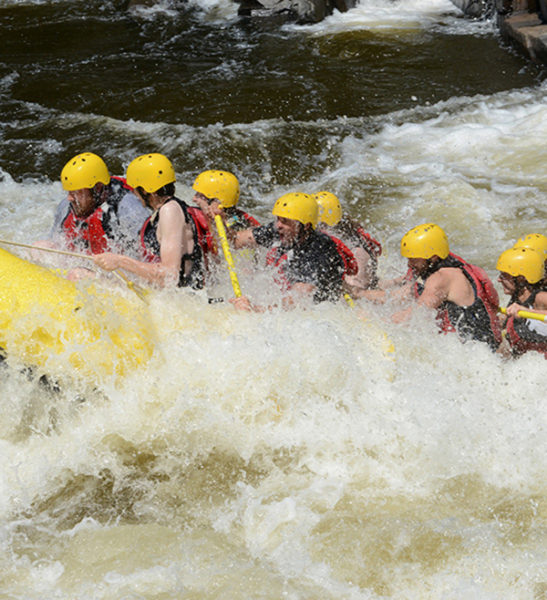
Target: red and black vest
(353, 235)
(479, 320)
(350, 264)
(521, 337)
(203, 244)
(95, 233)
(315, 260)
(236, 219)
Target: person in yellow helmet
(217, 193)
(461, 294)
(522, 272)
(172, 240)
(100, 212)
(362, 245)
(306, 261)
(535, 241)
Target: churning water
(280, 455)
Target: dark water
(78, 76)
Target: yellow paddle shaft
(525, 314)
(227, 255)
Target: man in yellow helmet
(462, 295)
(522, 271)
(362, 245)
(100, 212)
(217, 193)
(172, 242)
(306, 260)
(535, 241)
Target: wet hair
(167, 190)
(97, 192)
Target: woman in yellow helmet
(535, 241)
(522, 271)
(462, 294)
(169, 238)
(363, 246)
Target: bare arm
(244, 239)
(171, 237)
(362, 279)
(540, 306)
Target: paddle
(227, 255)
(141, 292)
(524, 314)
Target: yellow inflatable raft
(49, 322)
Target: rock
(475, 8)
(302, 11)
(145, 3)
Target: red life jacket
(91, 230)
(204, 236)
(350, 264)
(372, 245)
(520, 345)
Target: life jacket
(202, 238)
(314, 260)
(371, 245)
(354, 236)
(519, 335)
(237, 219)
(204, 235)
(477, 321)
(94, 233)
(350, 264)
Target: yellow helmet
(522, 261)
(425, 241)
(536, 241)
(298, 207)
(221, 185)
(330, 211)
(84, 171)
(150, 172)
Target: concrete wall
(522, 23)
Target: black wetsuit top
(314, 260)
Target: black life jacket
(151, 247)
(479, 320)
(519, 334)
